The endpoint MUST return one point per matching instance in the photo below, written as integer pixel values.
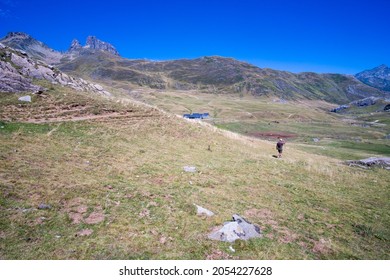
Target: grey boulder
(238, 228)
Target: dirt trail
(83, 118)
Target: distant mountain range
(100, 61)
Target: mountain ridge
(98, 60)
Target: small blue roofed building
(196, 116)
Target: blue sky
(321, 36)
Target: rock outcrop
(369, 101)
(383, 162)
(18, 70)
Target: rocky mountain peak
(96, 44)
(21, 35)
(75, 45)
(36, 49)
(20, 40)
(378, 77)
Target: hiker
(279, 147)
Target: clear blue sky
(295, 35)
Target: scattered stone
(189, 168)
(26, 98)
(383, 162)
(203, 211)
(316, 140)
(24, 210)
(84, 232)
(44, 206)
(232, 249)
(238, 228)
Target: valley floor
(114, 187)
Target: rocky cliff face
(92, 43)
(95, 44)
(378, 77)
(18, 70)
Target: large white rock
(26, 98)
(203, 211)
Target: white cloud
(4, 13)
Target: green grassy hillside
(112, 174)
(217, 75)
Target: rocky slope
(378, 77)
(35, 49)
(18, 72)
